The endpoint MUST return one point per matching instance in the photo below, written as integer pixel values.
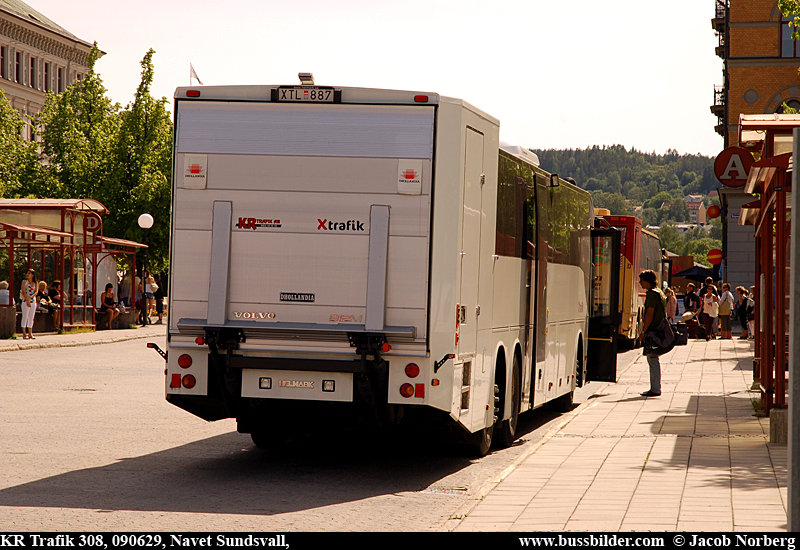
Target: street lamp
(145, 222)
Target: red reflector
(419, 390)
(412, 370)
(176, 381)
(435, 382)
(407, 390)
(189, 381)
(185, 361)
(386, 347)
(200, 341)
(192, 93)
(421, 98)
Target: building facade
(760, 62)
(36, 56)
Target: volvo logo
(254, 315)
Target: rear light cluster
(188, 381)
(412, 390)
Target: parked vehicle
(352, 253)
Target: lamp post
(145, 222)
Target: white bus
(351, 253)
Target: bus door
(666, 272)
(601, 363)
(540, 361)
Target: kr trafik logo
(349, 225)
(255, 223)
(409, 174)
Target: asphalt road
(88, 443)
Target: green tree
(613, 201)
(699, 249)
(671, 239)
(140, 182)
(18, 162)
(77, 129)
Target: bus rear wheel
(507, 429)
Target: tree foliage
(90, 147)
(622, 180)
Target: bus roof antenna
(306, 79)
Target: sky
(556, 74)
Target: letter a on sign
(732, 166)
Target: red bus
(639, 250)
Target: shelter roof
(121, 242)
(74, 204)
(38, 235)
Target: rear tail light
(192, 93)
(185, 361)
(421, 98)
(412, 370)
(200, 341)
(407, 390)
(386, 347)
(188, 381)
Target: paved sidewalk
(694, 459)
(157, 332)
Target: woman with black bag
(655, 311)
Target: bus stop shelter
(61, 239)
(770, 137)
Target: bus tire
(481, 441)
(269, 440)
(507, 429)
(563, 403)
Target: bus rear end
(299, 253)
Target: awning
(121, 242)
(90, 205)
(35, 232)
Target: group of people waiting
(710, 305)
(34, 295)
(149, 298)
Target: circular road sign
(715, 256)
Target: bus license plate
(305, 93)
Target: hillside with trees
(650, 186)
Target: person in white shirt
(726, 305)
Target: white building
(36, 56)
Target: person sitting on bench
(108, 304)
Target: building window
(47, 85)
(793, 107)
(32, 75)
(18, 68)
(789, 46)
(3, 62)
(60, 80)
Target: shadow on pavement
(227, 474)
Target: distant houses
(697, 210)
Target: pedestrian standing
(672, 304)
(28, 296)
(655, 303)
(726, 303)
(710, 311)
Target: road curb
(474, 499)
(74, 343)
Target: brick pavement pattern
(694, 459)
